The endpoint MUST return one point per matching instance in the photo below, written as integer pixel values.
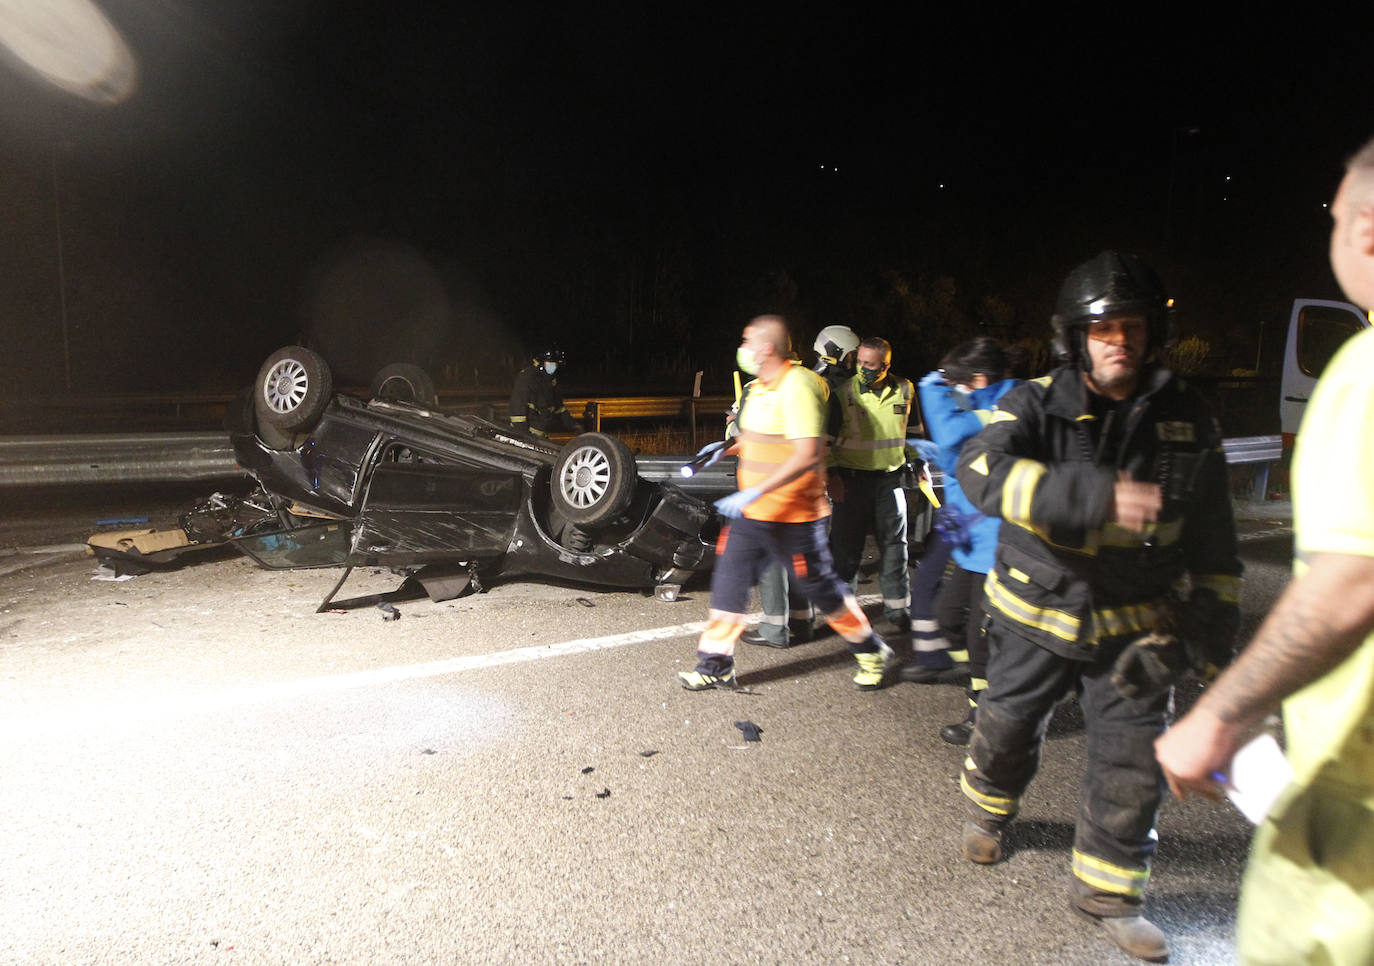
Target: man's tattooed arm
(1318, 622)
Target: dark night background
(400, 181)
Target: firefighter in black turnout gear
(1111, 483)
(536, 405)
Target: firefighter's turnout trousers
(1114, 839)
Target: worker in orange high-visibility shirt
(779, 513)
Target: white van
(1316, 330)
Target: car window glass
(1322, 330)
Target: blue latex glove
(931, 378)
(925, 448)
(716, 451)
(732, 506)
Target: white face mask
(746, 361)
(550, 367)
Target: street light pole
(61, 273)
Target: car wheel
(274, 438)
(403, 382)
(593, 479)
(294, 387)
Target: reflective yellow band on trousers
(993, 804)
(1106, 877)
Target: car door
(1316, 329)
(420, 510)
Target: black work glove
(1207, 627)
(1149, 664)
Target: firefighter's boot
(1133, 934)
(981, 844)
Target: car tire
(294, 386)
(274, 438)
(404, 382)
(593, 479)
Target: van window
(1321, 331)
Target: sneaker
(696, 681)
(872, 667)
(980, 845)
(754, 637)
(920, 674)
(1135, 935)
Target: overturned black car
(446, 498)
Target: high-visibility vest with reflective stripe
(793, 406)
(873, 434)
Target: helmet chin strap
(1080, 351)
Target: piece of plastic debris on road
(389, 613)
(108, 573)
(648, 754)
(585, 602)
(604, 793)
(588, 770)
(752, 732)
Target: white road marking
(146, 709)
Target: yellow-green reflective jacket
(871, 430)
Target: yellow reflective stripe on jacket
(1126, 619)
(1106, 621)
(1060, 624)
(1103, 875)
(1018, 493)
(1226, 587)
(1158, 534)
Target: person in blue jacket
(957, 401)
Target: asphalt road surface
(199, 768)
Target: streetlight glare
(71, 45)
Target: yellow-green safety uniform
(868, 429)
(1308, 894)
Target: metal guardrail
(116, 458)
(195, 457)
(1257, 450)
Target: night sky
(456, 187)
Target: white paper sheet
(1259, 772)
